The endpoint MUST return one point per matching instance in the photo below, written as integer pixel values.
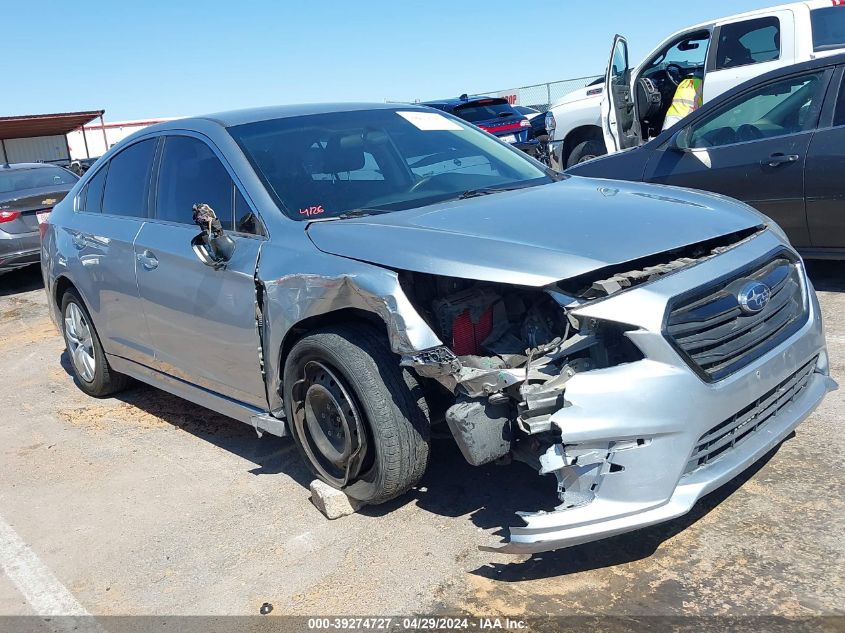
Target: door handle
(78, 240)
(147, 259)
(779, 159)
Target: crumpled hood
(538, 235)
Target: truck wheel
(357, 417)
(90, 367)
(585, 151)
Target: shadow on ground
(271, 455)
(490, 495)
(21, 280)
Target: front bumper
(17, 251)
(532, 147)
(639, 423)
(556, 155)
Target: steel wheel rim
(80, 342)
(328, 424)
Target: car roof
(810, 4)
(253, 115)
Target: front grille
(726, 435)
(717, 336)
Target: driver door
(201, 319)
(620, 124)
(752, 148)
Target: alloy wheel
(80, 342)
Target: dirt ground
(147, 504)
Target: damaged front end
(578, 379)
(511, 352)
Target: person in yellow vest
(688, 98)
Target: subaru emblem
(753, 297)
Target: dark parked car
(28, 192)
(494, 115)
(774, 142)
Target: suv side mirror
(680, 140)
(212, 246)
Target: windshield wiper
(359, 213)
(483, 191)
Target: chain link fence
(542, 96)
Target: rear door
(745, 48)
(111, 209)
(620, 124)
(753, 148)
(201, 319)
(823, 177)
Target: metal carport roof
(30, 125)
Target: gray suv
(351, 275)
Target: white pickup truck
(628, 107)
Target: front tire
(358, 418)
(87, 358)
(586, 150)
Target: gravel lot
(146, 504)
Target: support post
(85, 140)
(105, 138)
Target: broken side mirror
(212, 246)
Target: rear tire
(92, 371)
(343, 388)
(586, 150)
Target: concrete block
(331, 502)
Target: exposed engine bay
(511, 351)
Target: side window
(127, 180)
(190, 173)
(748, 42)
(839, 115)
(619, 64)
(92, 201)
(783, 107)
(245, 220)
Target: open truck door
(620, 124)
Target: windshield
(687, 52)
(325, 165)
(36, 177)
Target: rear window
(485, 110)
(828, 28)
(35, 178)
(128, 180)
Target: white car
(630, 105)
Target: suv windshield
(325, 165)
(34, 178)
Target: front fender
(332, 284)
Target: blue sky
(156, 58)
